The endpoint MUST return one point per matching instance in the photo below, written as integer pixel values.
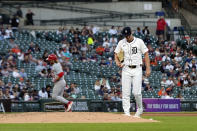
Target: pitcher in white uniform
(59, 82)
(133, 49)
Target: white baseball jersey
(57, 69)
(132, 51)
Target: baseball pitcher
(133, 49)
(59, 82)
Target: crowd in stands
(178, 66)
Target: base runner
(59, 82)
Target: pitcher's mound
(68, 117)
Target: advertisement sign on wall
(161, 105)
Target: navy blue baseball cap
(126, 31)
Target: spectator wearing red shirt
(100, 50)
(161, 26)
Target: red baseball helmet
(52, 57)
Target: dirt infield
(171, 114)
(69, 117)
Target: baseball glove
(121, 56)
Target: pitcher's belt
(134, 66)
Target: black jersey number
(134, 50)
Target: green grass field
(167, 123)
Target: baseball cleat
(138, 113)
(136, 116)
(126, 114)
(69, 106)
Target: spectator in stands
(153, 62)
(162, 93)
(138, 31)
(104, 82)
(97, 86)
(178, 58)
(163, 67)
(8, 93)
(113, 31)
(100, 50)
(8, 33)
(59, 31)
(169, 66)
(74, 51)
(19, 12)
(113, 40)
(157, 52)
(170, 73)
(29, 85)
(110, 62)
(103, 62)
(22, 83)
(83, 57)
(95, 29)
(161, 27)
(31, 47)
(22, 94)
(43, 94)
(166, 57)
(14, 23)
(73, 90)
(29, 17)
(37, 48)
(20, 56)
(168, 96)
(186, 66)
(35, 95)
(66, 53)
(16, 50)
(193, 64)
(5, 72)
(43, 73)
(2, 85)
(84, 48)
(66, 70)
(115, 97)
(39, 66)
(106, 43)
(93, 58)
(90, 40)
(107, 48)
(26, 96)
(22, 73)
(15, 73)
(148, 87)
(170, 82)
(146, 31)
(48, 90)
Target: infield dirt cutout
(69, 117)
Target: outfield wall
(89, 105)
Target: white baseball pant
(131, 77)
